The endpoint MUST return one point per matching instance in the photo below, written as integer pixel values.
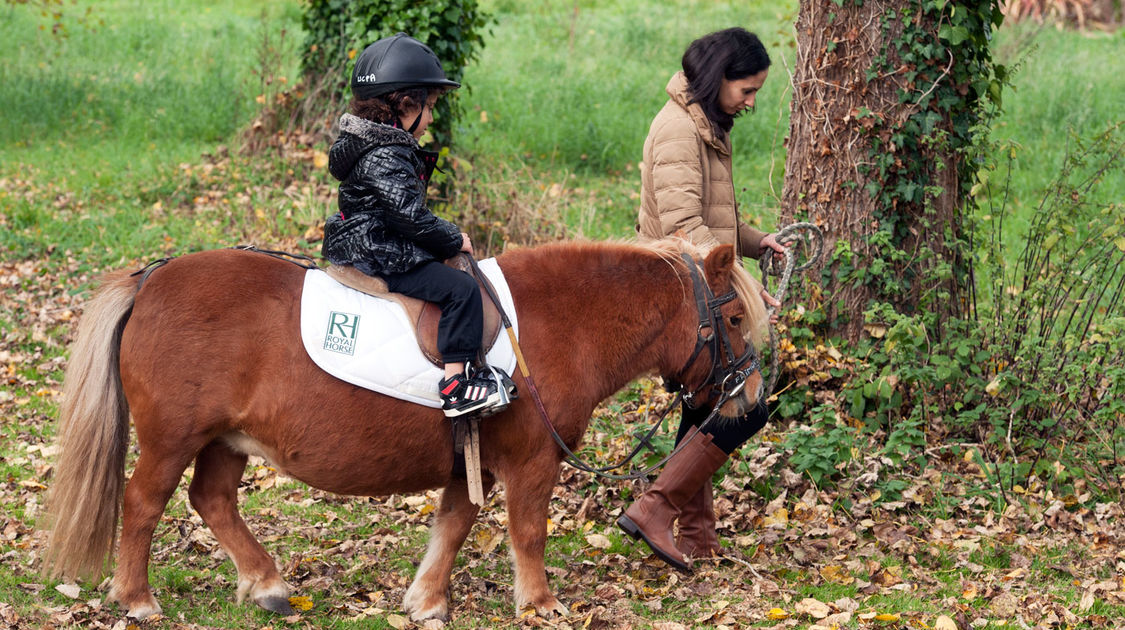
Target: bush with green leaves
(1034, 377)
(338, 30)
(822, 449)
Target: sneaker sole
(493, 410)
(482, 404)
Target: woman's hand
(466, 244)
(770, 241)
(779, 250)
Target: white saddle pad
(369, 342)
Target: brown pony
(206, 355)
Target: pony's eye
(736, 320)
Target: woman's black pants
(726, 433)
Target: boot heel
(627, 524)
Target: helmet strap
(416, 121)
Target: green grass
(572, 92)
(1061, 86)
(152, 83)
(98, 120)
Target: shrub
(337, 30)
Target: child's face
(427, 112)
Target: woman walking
(687, 186)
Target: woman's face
(737, 95)
(427, 112)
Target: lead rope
(813, 238)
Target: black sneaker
(462, 395)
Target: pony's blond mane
(746, 287)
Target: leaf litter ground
(944, 555)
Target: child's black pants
(457, 293)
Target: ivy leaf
(1120, 243)
(953, 34)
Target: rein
(297, 259)
(710, 318)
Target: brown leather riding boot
(651, 516)
(697, 537)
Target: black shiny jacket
(383, 226)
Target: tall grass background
(146, 83)
(95, 120)
(559, 100)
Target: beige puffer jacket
(686, 179)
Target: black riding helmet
(394, 63)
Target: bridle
(726, 375)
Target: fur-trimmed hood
(357, 137)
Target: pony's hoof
(419, 613)
(276, 604)
(423, 601)
(424, 616)
(144, 611)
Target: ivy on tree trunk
(887, 97)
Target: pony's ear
(717, 267)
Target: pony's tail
(93, 437)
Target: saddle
(423, 315)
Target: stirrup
(505, 387)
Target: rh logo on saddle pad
(342, 328)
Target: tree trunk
(870, 161)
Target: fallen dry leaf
(598, 541)
(813, 608)
(1004, 605)
(777, 614)
(945, 623)
(1087, 601)
(301, 602)
(836, 574)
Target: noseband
(725, 375)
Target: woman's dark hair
(730, 54)
(388, 108)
